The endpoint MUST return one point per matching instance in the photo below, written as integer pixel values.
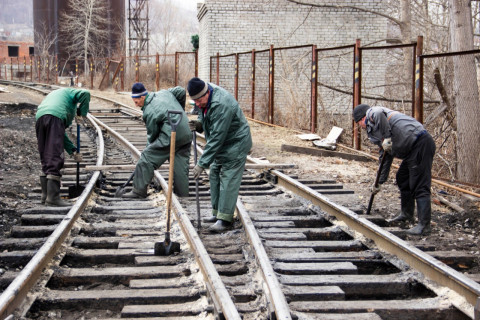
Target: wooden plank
(11, 244)
(100, 256)
(333, 316)
(327, 256)
(160, 283)
(318, 245)
(315, 268)
(364, 285)
(313, 293)
(323, 153)
(14, 259)
(455, 259)
(429, 308)
(114, 299)
(32, 231)
(83, 276)
(290, 236)
(41, 219)
(167, 310)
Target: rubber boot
(135, 194)
(424, 211)
(53, 193)
(220, 226)
(212, 218)
(407, 206)
(43, 183)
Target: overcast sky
(188, 4)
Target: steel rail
(417, 259)
(15, 293)
(216, 287)
(273, 290)
(277, 298)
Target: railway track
(293, 252)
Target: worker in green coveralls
(54, 115)
(155, 107)
(228, 142)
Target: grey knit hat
(360, 111)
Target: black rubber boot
(135, 194)
(53, 193)
(220, 226)
(424, 211)
(210, 219)
(43, 183)
(408, 207)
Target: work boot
(142, 194)
(43, 183)
(424, 211)
(407, 206)
(220, 226)
(210, 219)
(53, 193)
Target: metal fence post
(176, 69)
(357, 91)
(218, 68)
(25, 68)
(122, 73)
(419, 81)
(253, 84)
(271, 84)
(56, 69)
(157, 71)
(314, 82)
(236, 76)
(76, 72)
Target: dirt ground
(20, 167)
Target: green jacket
(62, 103)
(226, 130)
(155, 115)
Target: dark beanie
(196, 88)
(138, 90)
(360, 111)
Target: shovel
(121, 189)
(76, 190)
(376, 183)
(199, 224)
(168, 247)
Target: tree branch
(398, 22)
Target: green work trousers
(225, 180)
(152, 157)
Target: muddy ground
(20, 168)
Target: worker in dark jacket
(228, 142)
(403, 137)
(54, 115)
(155, 107)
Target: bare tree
(84, 27)
(465, 93)
(165, 22)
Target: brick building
(239, 26)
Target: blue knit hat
(138, 90)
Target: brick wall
(232, 26)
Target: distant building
(15, 49)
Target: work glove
(195, 125)
(77, 157)
(387, 145)
(375, 189)
(197, 171)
